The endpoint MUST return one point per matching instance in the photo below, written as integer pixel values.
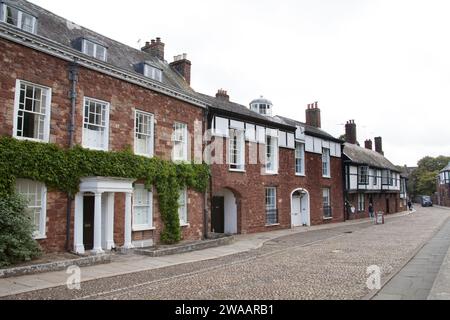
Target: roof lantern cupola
(262, 106)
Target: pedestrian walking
(410, 205)
(371, 211)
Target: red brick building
(64, 84)
(370, 178)
(443, 187)
(271, 172)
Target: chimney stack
(183, 66)
(222, 95)
(369, 144)
(350, 132)
(313, 117)
(379, 145)
(155, 48)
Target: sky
(383, 63)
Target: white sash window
(142, 208)
(143, 134)
(96, 124)
(180, 142)
(182, 208)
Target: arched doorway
(300, 213)
(224, 212)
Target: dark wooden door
(387, 206)
(218, 215)
(88, 222)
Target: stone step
(195, 246)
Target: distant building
(369, 178)
(443, 187)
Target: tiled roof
(313, 131)
(238, 109)
(65, 32)
(368, 157)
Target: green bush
(16, 232)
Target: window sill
(325, 218)
(272, 225)
(39, 237)
(143, 228)
(326, 177)
(95, 149)
(271, 173)
(237, 170)
(300, 175)
(144, 155)
(31, 139)
(185, 225)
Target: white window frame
(151, 136)
(302, 158)
(328, 203)
(183, 210)
(183, 141)
(20, 14)
(96, 45)
(41, 233)
(271, 206)
(326, 158)
(106, 127)
(361, 202)
(363, 175)
(153, 72)
(239, 136)
(47, 111)
(149, 225)
(274, 149)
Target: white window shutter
(317, 145)
(222, 127)
(309, 144)
(250, 132)
(291, 140)
(237, 125)
(282, 139)
(260, 134)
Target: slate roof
(65, 32)
(241, 110)
(368, 157)
(447, 168)
(310, 130)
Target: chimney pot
(379, 145)
(222, 95)
(368, 144)
(155, 48)
(350, 132)
(182, 66)
(313, 117)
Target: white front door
(296, 215)
(304, 210)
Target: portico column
(78, 224)
(110, 221)
(128, 244)
(98, 224)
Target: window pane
(27, 23)
(142, 206)
(180, 142)
(33, 193)
(12, 16)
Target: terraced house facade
(370, 178)
(64, 84)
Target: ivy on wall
(62, 169)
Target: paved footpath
(326, 262)
(416, 279)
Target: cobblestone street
(322, 264)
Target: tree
(16, 232)
(422, 181)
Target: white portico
(102, 191)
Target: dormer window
(152, 72)
(17, 18)
(94, 50)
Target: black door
(88, 222)
(387, 206)
(218, 215)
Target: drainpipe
(73, 78)
(206, 202)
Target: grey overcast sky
(383, 63)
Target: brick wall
(18, 62)
(379, 201)
(249, 189)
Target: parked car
(426, 201)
